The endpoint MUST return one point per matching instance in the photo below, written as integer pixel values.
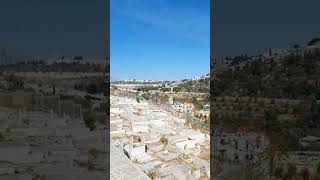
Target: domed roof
(314, 42)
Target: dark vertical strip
(211, 89)
(107, 70)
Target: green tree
(196, 103)
(89, 118)
(164, 89)
(138, 98)
(177, 89)
(146, 95)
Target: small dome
(314, 42)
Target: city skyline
(181, 30)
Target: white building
(183, 107)
(240, 146)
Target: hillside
(294, 77)
(198, 86)
(288, 88)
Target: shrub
(89, 118)
(164, 140)
(152, 175)
(145, 96)
(138, 98)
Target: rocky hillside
(198, 86)
(294, 77)
(288, 88)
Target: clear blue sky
(159, 39)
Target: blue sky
(250, 26)
(159, 39)
(60, 27)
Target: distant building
(201, 77)
(313, 47)
(183, 107)
(276, 54)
